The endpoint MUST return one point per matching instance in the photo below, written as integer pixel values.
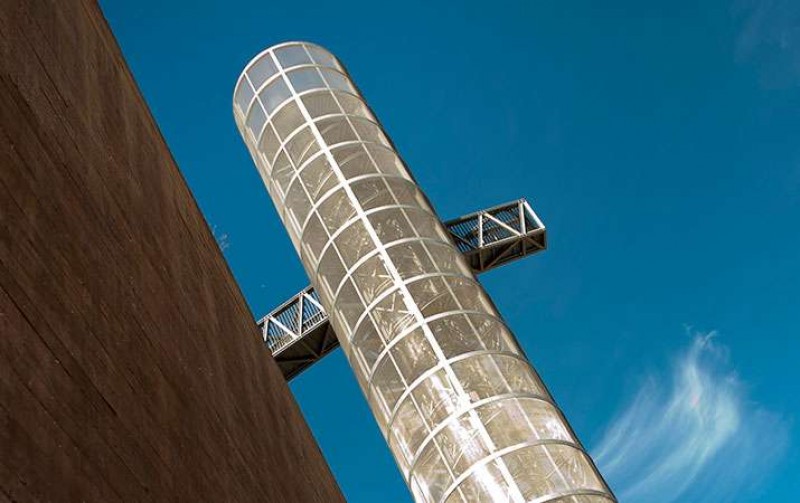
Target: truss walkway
(298, 333)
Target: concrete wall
(130, 365)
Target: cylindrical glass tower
(464, 413)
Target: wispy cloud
(221, 238)
(694, 436)
(769, 39)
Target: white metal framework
(464, 413)
(298, 333)
(498, 235)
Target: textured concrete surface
(130, 366)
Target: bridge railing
(298, 333)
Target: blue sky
(658, 141)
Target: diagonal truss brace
(298, 333)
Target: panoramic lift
(464, 413)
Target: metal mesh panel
(464, 414)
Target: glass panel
(287, 119)
(369, 131)
(414, 355)
(274, 94)
(485, 484)
(372, 278)
(336, 210)
(282, 171)
(408, 432)
(366, 331)
(354, 106)
(410, 259)
(437, 397)
(315, 238)
(432, 296)
(359, 367)
(262, 70)
(331, 270)
(387, 386)
(336, 80)
(582, 498)
(406, 193)
(336, 130)
(414, 258)
(514, 420)
(460, 333)
(388, 162)
(354, 242)
(373, 193)
(293, 225)
(321, 57)
(349, 304)
(416, 490)
(320, 103)
(318, 177)
(305, 79)
(440, 294)
(369, 346)
(354, 161)
(433, 476)
(462, 443)
(550, 469)
(391, 316)
(301, 146)
(244, 94)
(292, 55)
(297, 201)
(397, 223)
(486, 375)
(256, 119)
(269, 143)
(447, 259)
(391, 224)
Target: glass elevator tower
(464, 413)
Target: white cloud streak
(692, 437)
(221, 238)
